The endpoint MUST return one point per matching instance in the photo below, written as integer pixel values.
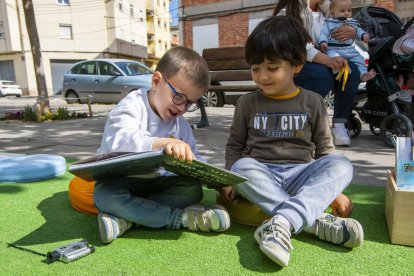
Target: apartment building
(158, 26)
(69, 31)
(229, 22)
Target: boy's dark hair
(276, 38)
(183, 60)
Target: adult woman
(317, 74)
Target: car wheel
(213, 99)
(329, 100)
(72, 97)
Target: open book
(151, 164)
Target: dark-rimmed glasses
(180, 98)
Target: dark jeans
(320, 79)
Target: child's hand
(342, 206)
(175, 147)
(227, 194)
(365, 38)
(323, 46)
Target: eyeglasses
(180, 98)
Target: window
(65, 31)
(62, 2)
(106, 69)
(132, 68)
(120, 5)
(87, 68)
(131, 10)
(2, 36)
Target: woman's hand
(227, 194)
(336, 63)
(342, 206)
(344, 32)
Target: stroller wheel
(374, 130)
(395, 125)
(354, 126)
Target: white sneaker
(346, 232)
(273, 237)
(340, 135)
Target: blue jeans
(320, 79)
(156, 202)
(299, 192)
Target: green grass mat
(38, 216)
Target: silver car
(106, 80)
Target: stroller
(384, 106)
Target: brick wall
(387, 4)
(233, 29)
(188, 34)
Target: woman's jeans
(299, 192)
(156, 202)
(320, 79)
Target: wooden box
(399, 211)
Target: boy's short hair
(276, 38)
(184, 60)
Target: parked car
(218, 99)
(106, 80)
(9, 88)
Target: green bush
(29, 115)
(61, 114)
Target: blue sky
(174, 12)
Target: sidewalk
(80, 139)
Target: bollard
(89, 101)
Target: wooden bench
(225, 64)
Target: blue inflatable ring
(33, 167)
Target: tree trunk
(43, 99)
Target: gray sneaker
(207, 218)
(111, 227)
(343, 231)
(273, 236)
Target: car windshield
(133, 68)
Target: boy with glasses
(152, 121)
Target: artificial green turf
(38, 216)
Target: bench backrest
(228, 64)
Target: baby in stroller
(387, 107)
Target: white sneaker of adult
(340, 135)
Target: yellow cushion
(245, 212)
(81, 195)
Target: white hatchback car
(9, 88)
